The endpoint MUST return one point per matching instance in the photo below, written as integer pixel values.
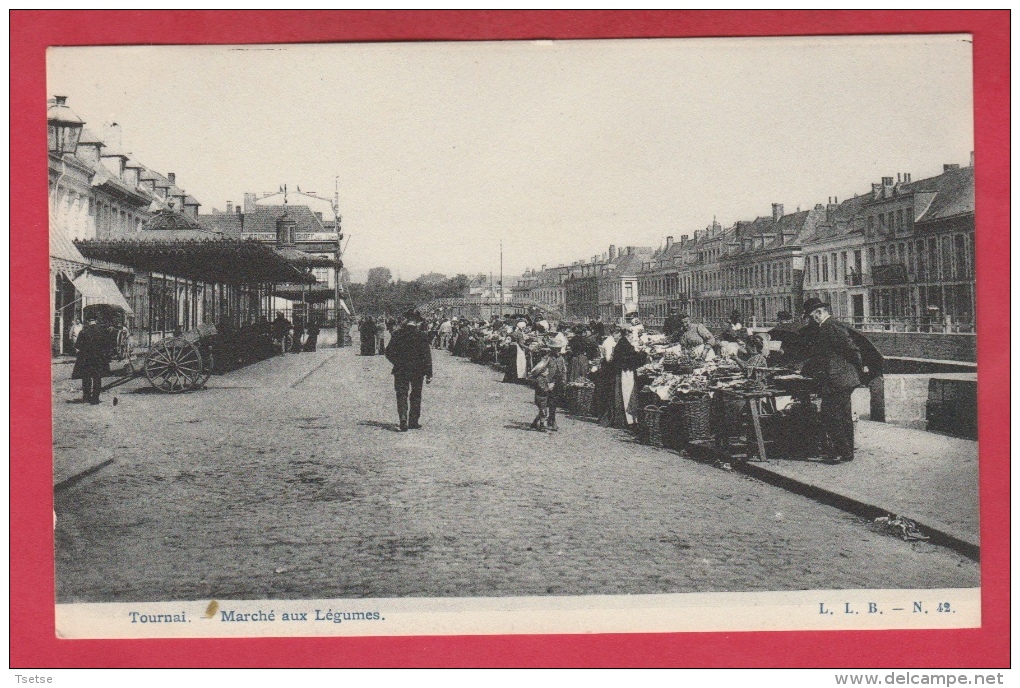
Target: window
(871, 223)
(899, 219)
(818, 275)
(882, 257)
(825, 268)
(844, 265)
(871, 257)
(933, 261)
(835, 274)
(881, 221)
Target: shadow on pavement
(518, 425)
(392, 427)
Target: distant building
(835, 261)
(920, 246)
(663, 282)
(762, 265)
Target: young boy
(550, 378)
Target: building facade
(836, 262)
(920, 247)
(617, 282)
(98, 191)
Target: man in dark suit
(673, 324)
(835, 362)
(93, 361)
(411, 356)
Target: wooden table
(754, 405)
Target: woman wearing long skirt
(368, 333)
(605, 376)
(626, 360)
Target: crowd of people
(550, 356)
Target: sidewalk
(929, 478)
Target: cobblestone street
(288, 480)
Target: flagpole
(500, 279)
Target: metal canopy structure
(311, 293)
(198, 256)
(306, 260)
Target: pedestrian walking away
(312, 340)
(93, 362)
(411, 356)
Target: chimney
(777, 211)
(630, 250)
(238, 210)
(172, 177)
(230, 206)
(683, 240)
(946, 168)
(876, 191)
(612, 252)
(906, 177)
(249, 203)
(669, 242)
(112, 136)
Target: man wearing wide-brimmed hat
(835, 362)
(411, 356)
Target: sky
(557, 149)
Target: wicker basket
(693, 418)
(654, 420)
(582, 400)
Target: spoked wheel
(175, 365)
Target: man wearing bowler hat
(411, 356)
(834, 361)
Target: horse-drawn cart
(181, 363)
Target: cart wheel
(174, 365)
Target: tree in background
(381, 296)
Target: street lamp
(63, 127)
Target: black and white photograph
(557, 336)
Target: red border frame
(32, 590)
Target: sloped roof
(630, 263)
(263, 218)
(169, 220)
(89, 136)
(841, 222)
(954, 194)
(228, 224)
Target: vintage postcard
(521, 337)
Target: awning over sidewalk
(309, 293)
(97, 289)
(196, 255)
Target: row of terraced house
(899, 257)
